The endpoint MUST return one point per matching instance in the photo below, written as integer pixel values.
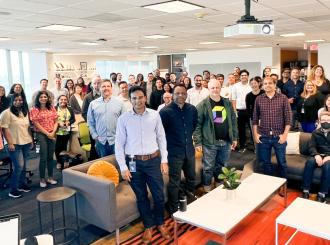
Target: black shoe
(15, 194)
(305, 195)
(321, 198)
(24, 188)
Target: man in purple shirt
(271, 124)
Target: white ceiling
(125, 37)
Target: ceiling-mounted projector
(249, 25)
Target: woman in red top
(44, 118)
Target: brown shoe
(147, 236)
(281, 191)
(164, 232)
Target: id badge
(132, 166)
(302, 110)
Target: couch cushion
(293, 143)
(304, 140)
(105, 170)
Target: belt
(145, 157)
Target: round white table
(45, 239)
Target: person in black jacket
(156, 97)
(308, 106)
(65, 120)
(320, 158)
(4, 102)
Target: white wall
(323, 57)
(265, 56)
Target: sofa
(295, 162)
(101, 203)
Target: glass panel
(15, 67)
(27, 76)
(3, 70)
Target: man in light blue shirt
(102, 119)
(142, 156)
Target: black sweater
(307, 108)
(320, 144)
(156, 99)
(250, 100)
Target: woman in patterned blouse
(44, 118)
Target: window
(15, 67)
(4, 70)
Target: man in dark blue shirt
(293, 89)
(179, 121)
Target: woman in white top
(15, 123)
(76, 99)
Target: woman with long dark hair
(76, 100)
(16, 124)
(85, 88)
(4, 102)
(44, 118)
(16, 88)
(65, 118)
(69, 85)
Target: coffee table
(307, 216)
(216, 213)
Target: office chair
(83, 136)
(6, 168)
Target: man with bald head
(216, 133)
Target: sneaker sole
(13, 196)
(23, 190)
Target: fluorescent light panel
(104, 51)
(173, 6)
(298, 34)
(208, 43)
(90, 44)
(314, 41)
(156, 36)
(60, 28)
(191, 49)
(5, 38)
(245, 45)
(149, 47)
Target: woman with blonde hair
(317, 76)
(308, 105)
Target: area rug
(258, 228)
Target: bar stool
(59, 194)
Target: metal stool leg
(77, 219)
(63, 214)
(39, 213)
(52, 217)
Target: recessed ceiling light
(173, 6)
(298, 34)
(60, 27)
(5, 38)
(207, 43)
(314, 41)
(149, 47)
(191, 49)
(41, 49)
(245, 45)
(147, 52)
(89, 44)
(156, 36)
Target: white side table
(45, 239)
(307, 216)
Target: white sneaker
(58, 166)
(43, 184)
(51, 181)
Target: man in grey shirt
(102, 119)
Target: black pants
(61, 145)
(176, 165)
(243, 120)
(93, 153)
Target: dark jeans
(310, 166)
(243, 120)
(176, 165)
(105, 150)
(308, 127)
(19, 159)
(214, 158)
(264, 154)
(61, 145)
(148, 173)
(93, 155)
(47, 149)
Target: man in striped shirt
(271, 125)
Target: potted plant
(231, 180)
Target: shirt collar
(146, 111)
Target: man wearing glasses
(239, 92)
(197, 93)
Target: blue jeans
(308, 127)
(214, 158)
(264, 154)
(105, 150)
(148, 174)
(19, 159)
(310, 166)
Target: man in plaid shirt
(271, 124)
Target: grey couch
(296, 163)
(101, 203)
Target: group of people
(212, 116)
